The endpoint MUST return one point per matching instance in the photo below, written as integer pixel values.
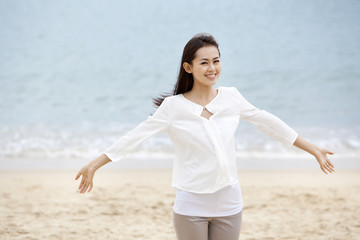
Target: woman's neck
(201, 94)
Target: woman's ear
(187, 67)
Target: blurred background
(77, 75)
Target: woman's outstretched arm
(88, 172)
(319, 153)
(154, 124)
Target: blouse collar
(199, 108)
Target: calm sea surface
(77, 75)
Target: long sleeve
(156, 123)
(264, 121)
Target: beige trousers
(207, 228)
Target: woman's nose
(211, 66)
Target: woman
(201, 121)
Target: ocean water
(77, 75)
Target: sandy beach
(137, 204)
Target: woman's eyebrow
(208, 59)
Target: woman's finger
(81, 186)
(323, 168)
(78, 175)
(327, 168)
(329, 152)
(82, 183)
(329, 162)
(91, 186)
(330, 165)
(83, 189)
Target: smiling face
(205, 67)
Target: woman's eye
(203, 63)
(216, 61)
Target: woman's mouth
(211, 76)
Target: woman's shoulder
(172, 99)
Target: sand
(137, 204)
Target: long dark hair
(185, 81)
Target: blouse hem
(230, 213)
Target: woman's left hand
(324, 162)
(319, 153)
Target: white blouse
(225, 202)
(204, 148)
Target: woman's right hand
(87, 174)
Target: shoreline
(133, 162)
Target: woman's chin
(208, 82)
(213, 82)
